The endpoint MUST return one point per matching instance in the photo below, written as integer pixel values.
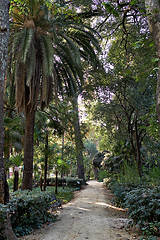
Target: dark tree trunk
(153, 10)
(4, 32)
(41, 183)
(131, 137)
(7, 150)
(16, 179)
(62, 171)
(46, 162)
(27, 181)
(78, 140)
(56, 183)
(95, 171)
(138, 146)
(7, 233)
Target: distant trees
(126, 96)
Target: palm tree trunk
(27, 181)
(153, 10)
(78, 140)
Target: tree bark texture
(138, 147)
(16, 179)
(7, 232)
(27, 181)
(78, 139)
(46, 161)
(4, 32)
(153, 11)
(56, 182)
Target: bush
(129, 174)
(74, 182)
(69, 182)
(102, 174)
(106, 181)
(120, 191)
(143, 205)
(153, 176)
(29, 210)
(144, 208)
(3, 213)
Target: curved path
(89, 215)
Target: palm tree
(31, 55)
(44, 48)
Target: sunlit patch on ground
(110, 206)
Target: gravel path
(89, 215)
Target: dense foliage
(143, 204)
(30, 209)
(80, 93)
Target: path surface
(89, 215)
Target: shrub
(154, 176)
(106, 181)
(29, 210)
(143, 205)
(128, 174)
(120, 191)
(74, 182)
(144, 208)
(3, 213)
(102, 174)
(69, 182)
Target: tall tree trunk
(131, 137)
(4, 32)
(62, 171)
(46, 161)
(78, 139)
(6, 152)
(56, 182)
(27, 181)
(153, 10)
(138, 146)
(7, 232)
(16, 179)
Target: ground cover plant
(142, 201)
(30, 209)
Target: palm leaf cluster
(46, 50)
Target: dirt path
(89, 216)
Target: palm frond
(20, 86)
(29, 38)
(30, 64)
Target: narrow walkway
(89, 216)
